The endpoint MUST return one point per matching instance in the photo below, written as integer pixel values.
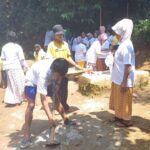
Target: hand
(52, 123)
(109, 53)
(123, 87)
(78, 67)
(88, 70)
(26, 69)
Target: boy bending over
(43, 73)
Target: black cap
(58, 29)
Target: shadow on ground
(98, 133)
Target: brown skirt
(100, 64)
(121, 103)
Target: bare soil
(93, 113)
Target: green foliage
(141, 33)
(31, 18)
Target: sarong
(121, 103)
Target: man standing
(58, 48)
(48, 38)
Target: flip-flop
(70, 122)
(52, 144)
(115, 119)
(124, 123)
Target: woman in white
(13, 63)
(123, 74)
(93, 52)
(100, 63)
(80, 52)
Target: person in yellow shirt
(39, 53)
(58, 48)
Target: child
(110, 58)
(80, 52)
(39, 53)
(58, 48)
(42, 74)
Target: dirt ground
(92, 113)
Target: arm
(22, 59)
(127, 62)
(125, 77)
(103, 54)
(42, 89)
(71, 61)
(47, 109)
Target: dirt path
(93, 115)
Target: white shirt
(109, 62)
(39, 74)
(85, 41)
(48, 37)
(105, 45)
(74, 43)
(12, 54)
(92, 52)
(91, 40)
(124, 55)
(41, 55)
(80, 50)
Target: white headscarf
(124, 28)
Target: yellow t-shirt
(56, 50)
(114, 40)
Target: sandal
(124, 123)
(115, 119)
(25, 143)
(69, 122)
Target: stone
(65, 135)
(94, 84)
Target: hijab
(124, 28)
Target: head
(102, 29)
(113, 48)
(110, 31)
(83, 35)
(89, 35)
(123, 29)
(59, 69)
(96, 33)
(79, 39)
(58, 32)
(102, 38)
(37, 47)
(11, 36)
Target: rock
(99, 136)
(74, 138)
(94, 84)
(66, 135)
(118, 143)
(141, 78)
(135, 95)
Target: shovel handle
(52, 133)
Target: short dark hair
(60, 65)
(37, 45)
(115, 47)
(11, 36)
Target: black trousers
(62, 94)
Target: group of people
(91, 50)
(47, 75)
